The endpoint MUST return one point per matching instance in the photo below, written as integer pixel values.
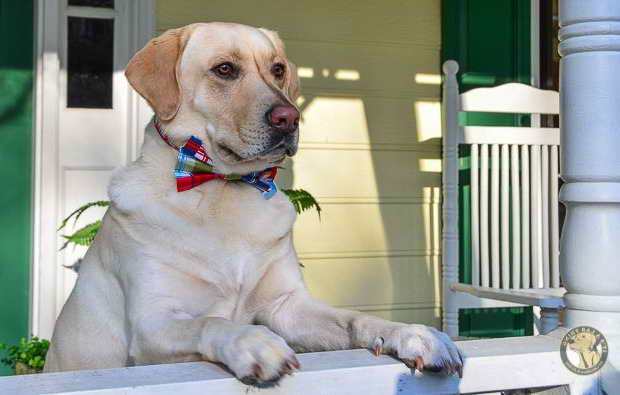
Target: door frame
(137, 18)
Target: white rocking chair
(515, 223)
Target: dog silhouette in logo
(585, 344)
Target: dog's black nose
(284, 118)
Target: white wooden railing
(491, 365)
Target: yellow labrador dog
(211, 273)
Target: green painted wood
(16, 104)
(490, 39)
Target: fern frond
(83, 236)
(302, 200)
(80, 210)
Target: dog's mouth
(229, 155)
(285, 147)
(275, 153)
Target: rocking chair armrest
(548, 298)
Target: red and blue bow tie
(194, 167)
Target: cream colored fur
(211, 273)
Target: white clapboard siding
(514, 199)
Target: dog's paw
(421, 347)
(258, 357)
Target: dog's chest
(226, 240)
(235, 210)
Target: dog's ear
(153, 72)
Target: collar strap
(163, 134)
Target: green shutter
(16, 101)
(490, 39)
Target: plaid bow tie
(194, 167)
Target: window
(90, 59)
(93, 3)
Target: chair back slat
(515, 201)
(544, 173)
(495, 256)
(484, 216)
(505, 215)
(525, 216)
(536, 217)
(475, 224)
(554, 218)
(511, 98)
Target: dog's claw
(419, 363)
(377, 348)
(409, 363)
(294, 362)
(286, 369)
(258, 371)
(290, 365)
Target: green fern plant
(301, 199)
(86, 234)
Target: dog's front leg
(309, 325)
(256, 355)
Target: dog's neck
(194, 166)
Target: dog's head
(582, 342)
(231, 85)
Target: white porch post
(590, 125)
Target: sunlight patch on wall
(325, 73)
(427, 79)
(428, 119)
(305, 72)
(430, 165)
(432, 233)
(348, 75)
(325, 116)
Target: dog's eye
(226, 70)
(278, 70)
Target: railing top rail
(495, 364)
